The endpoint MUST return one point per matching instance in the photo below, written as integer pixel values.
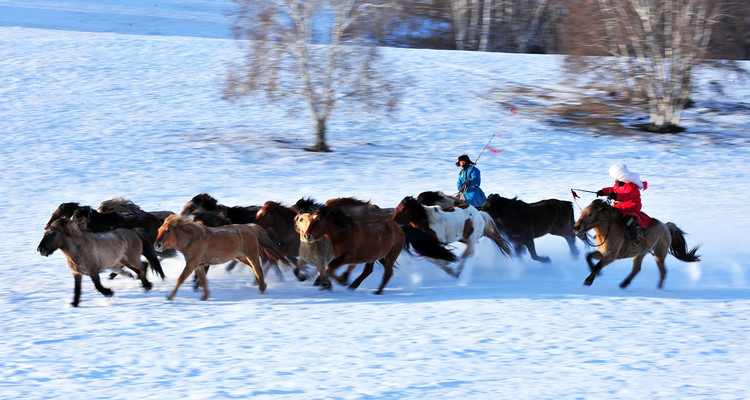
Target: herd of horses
(341, 231)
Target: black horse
(523, 222)
(205, 203)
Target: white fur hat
(620, 172)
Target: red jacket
(629, 202)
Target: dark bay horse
(613, 242)
(523, 222)
(202, 245)
(279, 220)
(437, 198)
(205, 203)
(462, 223)
(89, 253)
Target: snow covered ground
(123, 99)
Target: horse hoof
(588, 282)
(147, 286)
(113, 275)
(74, 304)
(623, 285)
(170, 297)
(108, 293)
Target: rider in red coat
(626, 194)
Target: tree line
(323, 54)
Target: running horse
(613, 241)
(523, 222)
(279, 220)
(88, 253)
(462, 223)
(202, 245)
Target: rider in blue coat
(468, 182)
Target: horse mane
(346, 201)
(274, 205)
(205, 200)
(436, 198)
(119, 205)
(497, 202)
(211, 219)
(67, 209)
(306, 205)
(415, 210)
(336, 216)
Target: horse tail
(492, 231)
(150, 254)
(426, 245)
(268, 246)
(678, 247)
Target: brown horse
(356, 241)
(279, 220)
(89, 253)
(523, 222)
(317, 253)
(202, 245)
(613, 242)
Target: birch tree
(654, 46)
(310, 54)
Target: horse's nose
(158, 246)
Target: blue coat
(474, 195)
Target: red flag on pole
(494, 150)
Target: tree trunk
(320, 137)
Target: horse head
(200, 202)
(436, 198)
(65, 210)
(326, 220)
(409, 210)
(167, 233)
(55, 235)
(596, 214)
(301, 224)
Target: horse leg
(343, 279)
(637, 260)
(98, 285)
(299, 270)
(254, 263)
(196, 281)
(201, 274)
(230, 266)
(118, 270)
(529, 243)
(572, 244)
(76, 289)
(142, 276)
(595, 255)
(604, 261)
(660, 254)
(467, 253)
(365, 273)
(189, 269)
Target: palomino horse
(523, 222)
(279, 220)
(202, 245)
(205, 203)
(463, 224)
(356, 241)
(613, 242)
(89, 253)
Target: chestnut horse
(356, 241)
(89, 253)
(462, 223)
(523, 222)
(613, 242)
(202, 245)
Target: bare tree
(654, 46)
(312, 51)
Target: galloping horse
(356, 241)
(613, 242)
(463, 224)
(523, 222)
(279, 220)
(122, 205)
(317, 253)
(205, 203)
(89, 253)
(202, 245)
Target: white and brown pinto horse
(460, 223)
(201, 245)
(613, 242)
